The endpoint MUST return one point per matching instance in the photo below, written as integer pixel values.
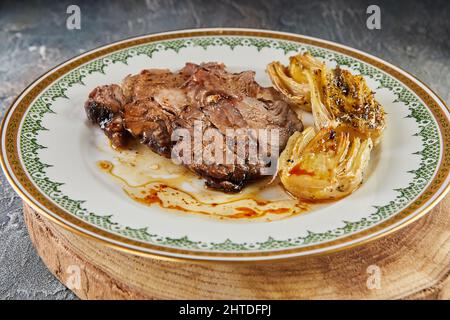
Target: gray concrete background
(33, 38)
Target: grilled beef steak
(151, 105)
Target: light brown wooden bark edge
(414, 264)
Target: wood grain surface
(414, 263)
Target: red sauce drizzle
(296, 170)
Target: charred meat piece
(241, 114)
(153, 104)
(150, 81)
(104, 107)
(214, 77)
(146, 120)
(229, 177)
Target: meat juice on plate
(153, 180)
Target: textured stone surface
(33, 38)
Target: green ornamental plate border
(32, 125)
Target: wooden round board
(413, 263)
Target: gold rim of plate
(37, 201)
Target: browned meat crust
(104, 107)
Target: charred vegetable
(335, 96)
(326, 165)
(295, 90)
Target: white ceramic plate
(50, 153)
